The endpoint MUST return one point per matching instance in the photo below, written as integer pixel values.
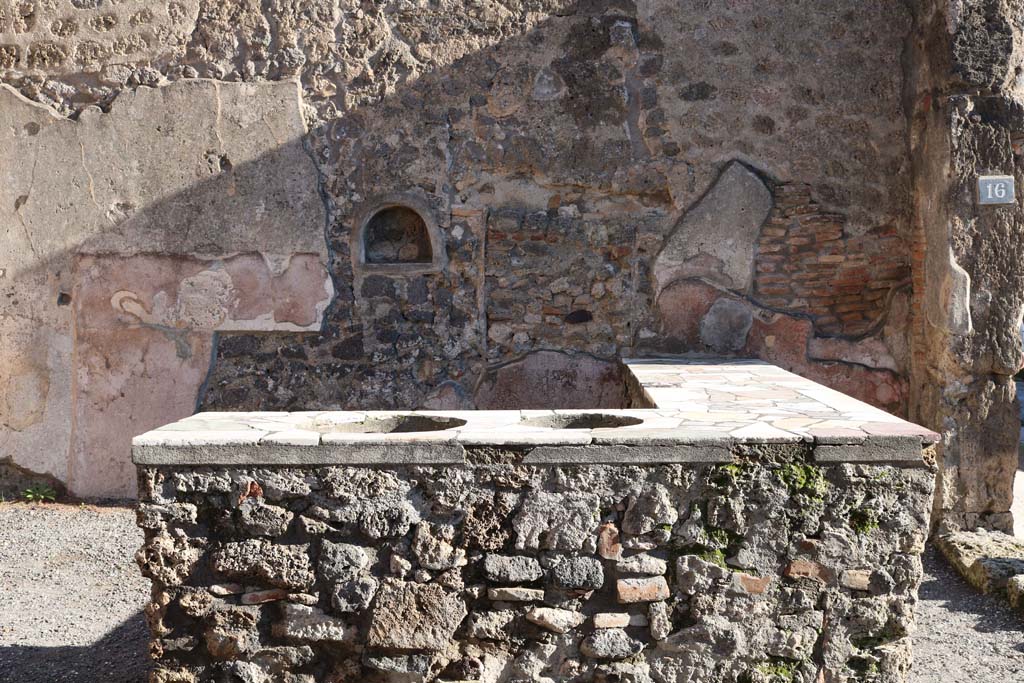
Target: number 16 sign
(996, 189)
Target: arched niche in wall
(397, 234)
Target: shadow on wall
(137, 235)
(556, 192)
(15, 480)
(121, 656)
(575, 381)
(194, 240)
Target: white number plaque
(996, 189)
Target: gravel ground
(70, 596)
(963, 636)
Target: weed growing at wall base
(39, 494)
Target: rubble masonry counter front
(746, 525)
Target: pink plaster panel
(239, 293)
(127, 381)
(296, 296)
(143, 342)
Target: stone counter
(745, 525)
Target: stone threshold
(991, 561)
(698, 410)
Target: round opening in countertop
(581, 421)
(392, 424)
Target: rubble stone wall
(770, 569)
(605, 177)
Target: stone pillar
(966, 105)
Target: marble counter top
(699, 410)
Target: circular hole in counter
(581, 421)
(392, 424)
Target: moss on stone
(714, 557)
(803, 479)
(777, 670)
(863, 520)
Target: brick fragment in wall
(808, 263)
(784, 340)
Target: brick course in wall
(808, 263)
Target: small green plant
(39, 494)
(719, 537)
(726, 476)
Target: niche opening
(399, 236)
